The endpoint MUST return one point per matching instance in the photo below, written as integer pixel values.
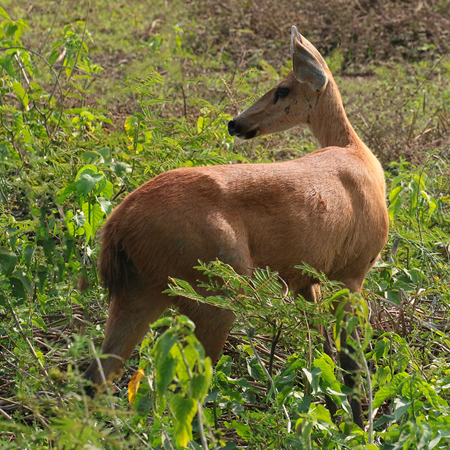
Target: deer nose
(232, 128)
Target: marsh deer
(326, 209)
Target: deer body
(326, 209)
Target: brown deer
(326, 209)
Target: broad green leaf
(184, 410)
(242, 429)
(28, 251)
(131, 122)
(401, 406)
(67, 191)
(26, 135)
(39, 322)
(313, 377)
(87, 182)
(382, 420)
(94, 215)
(255, 369)
(4, 14)
(88, 230)
(200, 386)
(20, 286)
(21, 94)
(121, 168)
(165, 373)
(382, 394)
(105, 205)
(164, 344)
(326, 365)
(395, 203)
(107, 189)
(8, 261)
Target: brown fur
(326, 209)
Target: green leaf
(39, 322)
(395, 203)
(26, 135)
(94, 216)
(389, 389)
(383, 393)
(21, 94)
(106, 154)
(224, 365)
(255, 370)
(401, 406)
(7, 65)
(67, 191)
(382, 420)
(86, 183)
(199, 386)
(53, 57)
(326, 365)
(8, 261)
(165, 373)
(313, 377)
(184, 410)
(28, 252)
(242, 429)
(3, 14)
(18, 121)
(121, 169)
(131, 122)
(107, 190)
(105, 205)
(20, 285)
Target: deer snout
(232, 127)
(240, 130)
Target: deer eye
(281, 92)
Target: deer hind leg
(310, 293)
(128, 322)
(349, 364)
(212, 324)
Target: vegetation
(97, 98)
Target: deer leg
(212, 325)
(349, 364)
(310, 293)
(128, 322)
(351, 370)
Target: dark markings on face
(309, 101)
(317, 99)
(287, 110)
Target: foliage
(79, 131)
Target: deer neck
(329, 123)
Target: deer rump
(277, 215)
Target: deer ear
(307, 63)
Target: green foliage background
(95, 99)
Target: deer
(326, 209)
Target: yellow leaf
(133, 385)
